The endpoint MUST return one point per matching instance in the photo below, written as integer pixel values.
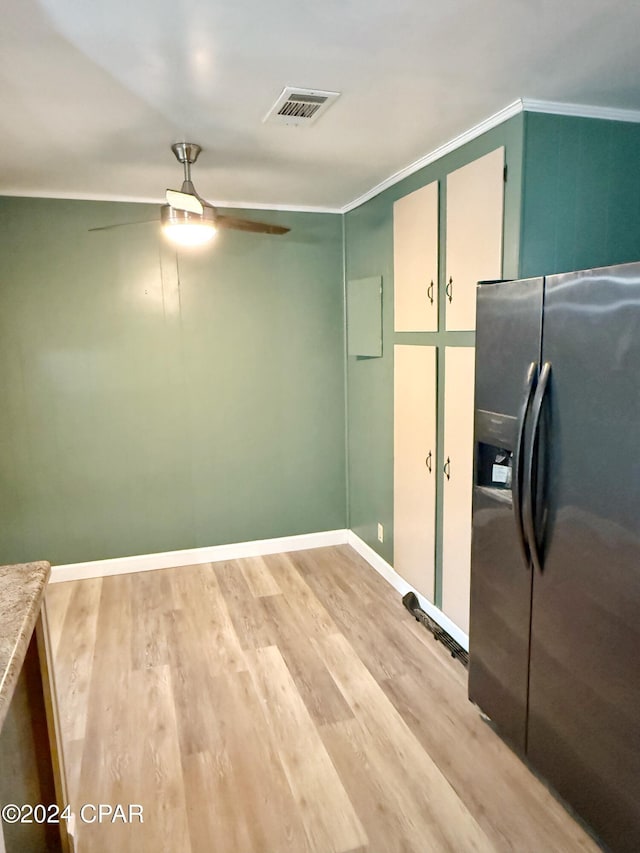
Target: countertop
(22, 590)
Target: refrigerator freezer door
(584, 698)
(508, 341)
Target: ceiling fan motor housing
(186, 152)
(172, 216)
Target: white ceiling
(93, 92)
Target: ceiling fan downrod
(187, 154)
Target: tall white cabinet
(414, 466)
(458, 483)
(434, 379)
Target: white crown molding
(194, 556)
(293, 208)
(76, 196)
(437, 153)
(518, 106)
(521, 105)
(244, 205)
(580, 110)
(392, 577)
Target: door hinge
(504, 173)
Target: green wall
(581, 194)
(151, 402)
(369, 252)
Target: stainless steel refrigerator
(555, 577)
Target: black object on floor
(410, 601)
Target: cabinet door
(458, 483)
(414, 466)
(415, 260)
(475, 196)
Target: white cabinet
(475, 196)
(415, 260)
(458, 483)
(472, 225)
(414, 504)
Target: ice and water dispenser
(495, 435)
(493, 466)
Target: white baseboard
(192, 556)
(391, 576)
(256, 548)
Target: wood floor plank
(111, 732)
(444, 821)
(56, 602)
(249, 618)
(192, 675)
(154, 774)
(384, 636)
(189, 675)
(111, 671)
(328, 815)
(483, 762)
(73, 763)
(258, 577)
(317, 619)
(74, 658)
(214, 823)
(197, 593)
(237, 792)
(394, 619)
(367, 632)
(202, 645)
(285, 704)
(313, 681)
(387, 821)
(150, 601)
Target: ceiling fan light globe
(184, 228)
(189, 234)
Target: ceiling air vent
(300, 106)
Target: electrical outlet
(380, 533)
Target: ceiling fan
(187, 219)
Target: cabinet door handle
(427, 462)
(449, 289)
(430, 293)
(447, 468)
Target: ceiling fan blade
(123, 224)
(249, 225)
(184, 201)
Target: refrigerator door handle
(529, 521)
(516, 489)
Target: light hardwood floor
(282, 703)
